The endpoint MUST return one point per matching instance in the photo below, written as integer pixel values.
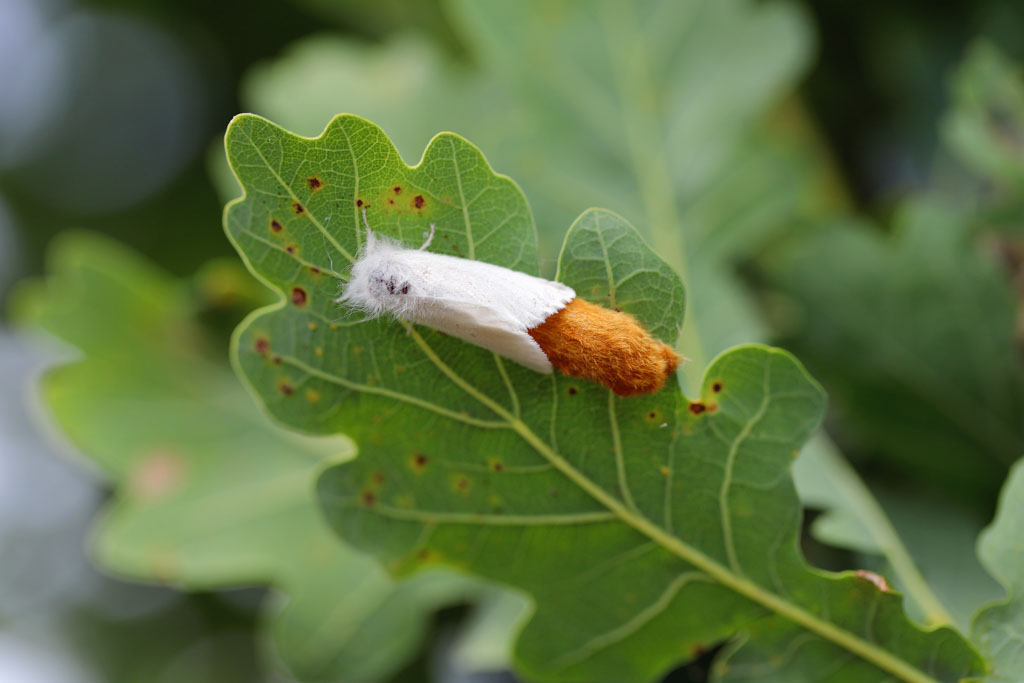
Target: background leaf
(940, 376)
(999, 628)
(643, 528)
(985, 127)
(209, 493)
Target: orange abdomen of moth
(610, 347)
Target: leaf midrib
(874, 654)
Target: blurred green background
(845, 180)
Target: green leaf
(985, 127)
(209, 493)
(998, 629)
(599, 104)
(915, 335)
(642, 528)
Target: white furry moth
(538, 323)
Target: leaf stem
(853, 488)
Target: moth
(537, 323)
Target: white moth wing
(483, 304)
(483, 327)
(478, 302)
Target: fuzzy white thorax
(478, 302)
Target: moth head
(387, 279)
(379, 282)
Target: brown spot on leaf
(276, 360)
(286, 389)
(665, 471)
(275, 225)
(312, 327)
(262, 345)
(419, 460)
(462, 484)
(874, 578)
(314, 183)
(298, 207)
(397, 189)
(716, 387)
(369, 498)
(314, 270)
(697, 407)
(359, 202)
(290, 249)
(299, 296)
(497, 466)
(418, 201)
(573, 391)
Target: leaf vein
(730, 462)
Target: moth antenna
(369, 233)
(430, 238)
(330, 256)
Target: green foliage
(915, 335)
(985, 127)
(643, 528)
(999, 629)
(209, 493)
